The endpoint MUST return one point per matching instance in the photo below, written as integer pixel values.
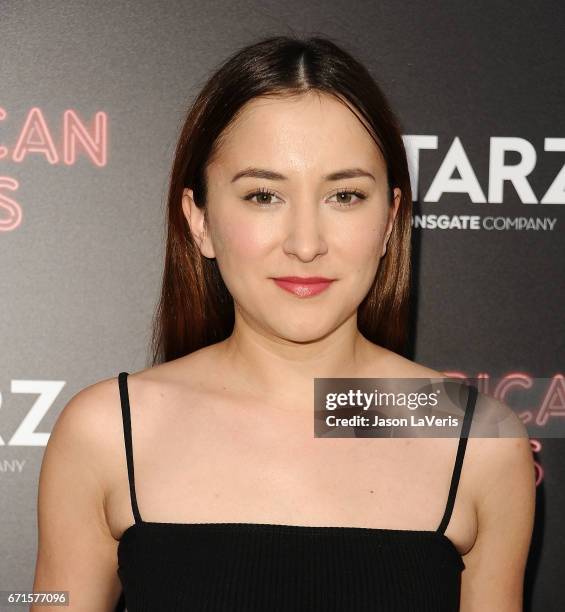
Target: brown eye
(263, 197)
(344, 197)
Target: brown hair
(195, 308)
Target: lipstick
(304, 286)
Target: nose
(305, 234)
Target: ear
(195, 219)
(393, 210)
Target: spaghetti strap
(471, 401)
(126, 418)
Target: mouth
(303, 287)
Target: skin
(225, 434)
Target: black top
(258, 567)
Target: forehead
(312, 131)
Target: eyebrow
(277, 176)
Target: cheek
(242, 247)
(360, 240)
(238, 241)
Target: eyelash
(264, 190)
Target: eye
(343, 195)
(263, 196)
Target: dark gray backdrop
(81, 267)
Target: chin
(303, 331)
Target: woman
(290, 164)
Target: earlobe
(396, 205)
(195, 218)
(385, 245)
(394, 211)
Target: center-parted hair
(195, 308)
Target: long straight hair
(195, 308)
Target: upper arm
(505, 504)
(76, 551)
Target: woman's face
(286, 217)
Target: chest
(261, 466)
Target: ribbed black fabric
(256, 567)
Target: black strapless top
(260, 567)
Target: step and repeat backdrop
(92, 96)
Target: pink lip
(304, 287)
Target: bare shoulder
(501, 464)
(88, 425)
(88, 434)
(75, 545)
(190, 372)
(383, 362)
(500, 448)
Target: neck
(273, 367)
